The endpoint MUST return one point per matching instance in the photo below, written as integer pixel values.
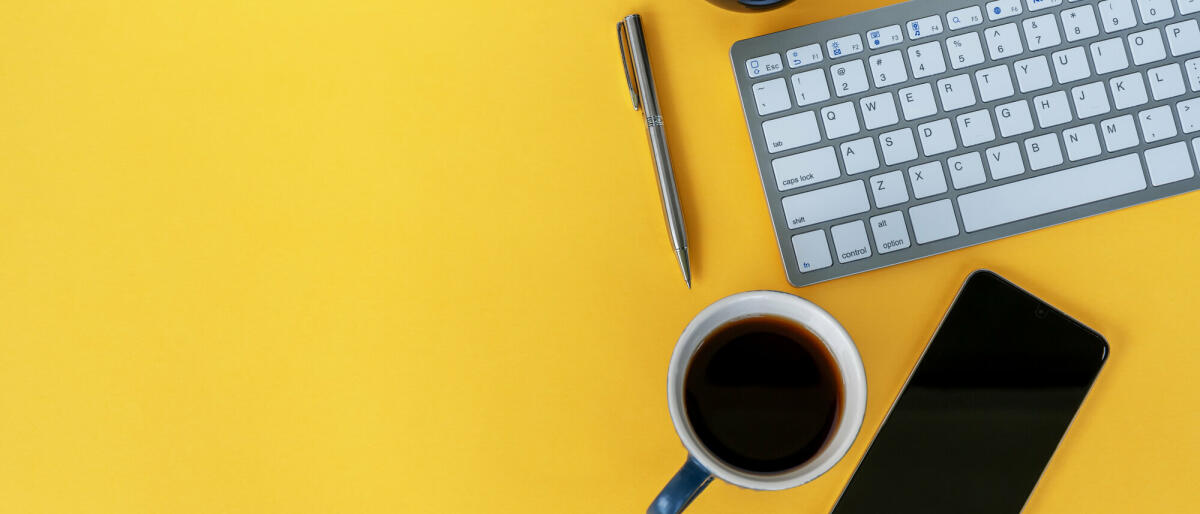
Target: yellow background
(399, 256)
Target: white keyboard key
(1157, 123)
(890, 232)
(1013, 118)
(878, 110)
(999, 9)
(1146, 46)
(1032, 74)
(1043, 152)
(1165, 81)
(965, 17)
(898, 146)
(936, 137)
(1127, 90)
(1041, 32)
(1003, 41)
(850, 241)
(1109, 55)
(805, 168)
(917, 101)
(1070, 65)
(1081, 142)
(956, 92)
(1079, 23)
(859, 155)
(840, 120)
(845, 45)
(1189, 115)
(810, 87)
(884, 36)
(1090, 100)
(965, 50)
(764, 65)
(812, 251)
(1005, 161)
(1183, 37)
(933, 221)
(888, 69)
(1119, 133)
(1193, 72)
(1051, 192)
(926, 59)
(1155, 10)
(825, 204)
(1052, 109)
(889, 189)
(1116, 14)
(1169, 163)
(771, 96)
(803, 56)
(966, 170)
(927, 179)
(995, 83)
(791, 131)
(927, 26)
(975, 127)
(1037, 5)
(849, 78)
(1188, 6)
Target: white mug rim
(826, 328)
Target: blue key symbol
(996, 10)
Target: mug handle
(682, 489)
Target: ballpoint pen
(643, 94)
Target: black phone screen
(984, 409)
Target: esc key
(765, 65)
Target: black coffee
(763, 394)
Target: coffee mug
(702, 464)
(749, 5)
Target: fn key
(812, 251)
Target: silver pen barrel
(647, 96)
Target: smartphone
(984, 409)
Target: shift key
(821, 205)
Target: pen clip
(626, 60)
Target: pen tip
(684, 265)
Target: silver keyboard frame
(898, 14)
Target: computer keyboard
(930, 125)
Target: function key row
(878, 38)
(1078, 23)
